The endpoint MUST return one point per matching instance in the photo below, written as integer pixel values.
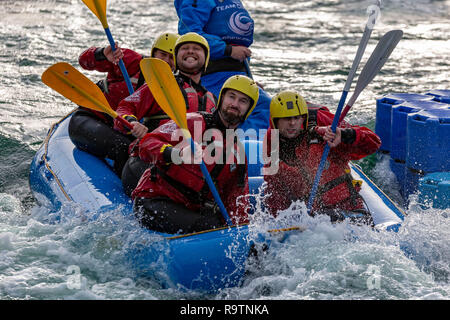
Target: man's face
(234, 106)
(165, 56)
(290, 127)
(190, 57)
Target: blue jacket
(220, 22)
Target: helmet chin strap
(194, 73)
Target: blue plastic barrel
(434, 190)
(398, 130)
(398, 125)
(384, 111)
(445, 99)
(440, 95)
(428, 140)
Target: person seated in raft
(191, 60)
(228, 28)
(172, 195)
(303, 133)
(105, 60)
(92, 131)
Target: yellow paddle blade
(98, 7)
(165, 89)
(73, 85)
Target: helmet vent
(289, 105)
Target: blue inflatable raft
(209, 260)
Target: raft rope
(44, 156)
(205, 231)
(301, 229)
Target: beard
(231, 117)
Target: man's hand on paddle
(333, 139)
(187, 157)
(115, 56)
(240, 53)
(139, 130)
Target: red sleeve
(166, 134)
(151, 144)
(211, 107)
(366, 141)
(325, 118)
(131, 60)
(139, 105)
(87, 61)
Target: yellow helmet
(245, 85)
(288, 104)
(165, 42)
(195, 38)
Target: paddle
(359, 53)
(73, 85)
(98, 7)
(378, 58)
(247, 68)
(376, 61)
(165, 90)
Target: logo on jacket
(241, 24)
(168, 127)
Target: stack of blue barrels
(415, 132)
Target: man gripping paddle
(172, 195)
(104, 59)
(92, 130)
(304, 133)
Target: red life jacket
(194, 102)
(141, 105)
